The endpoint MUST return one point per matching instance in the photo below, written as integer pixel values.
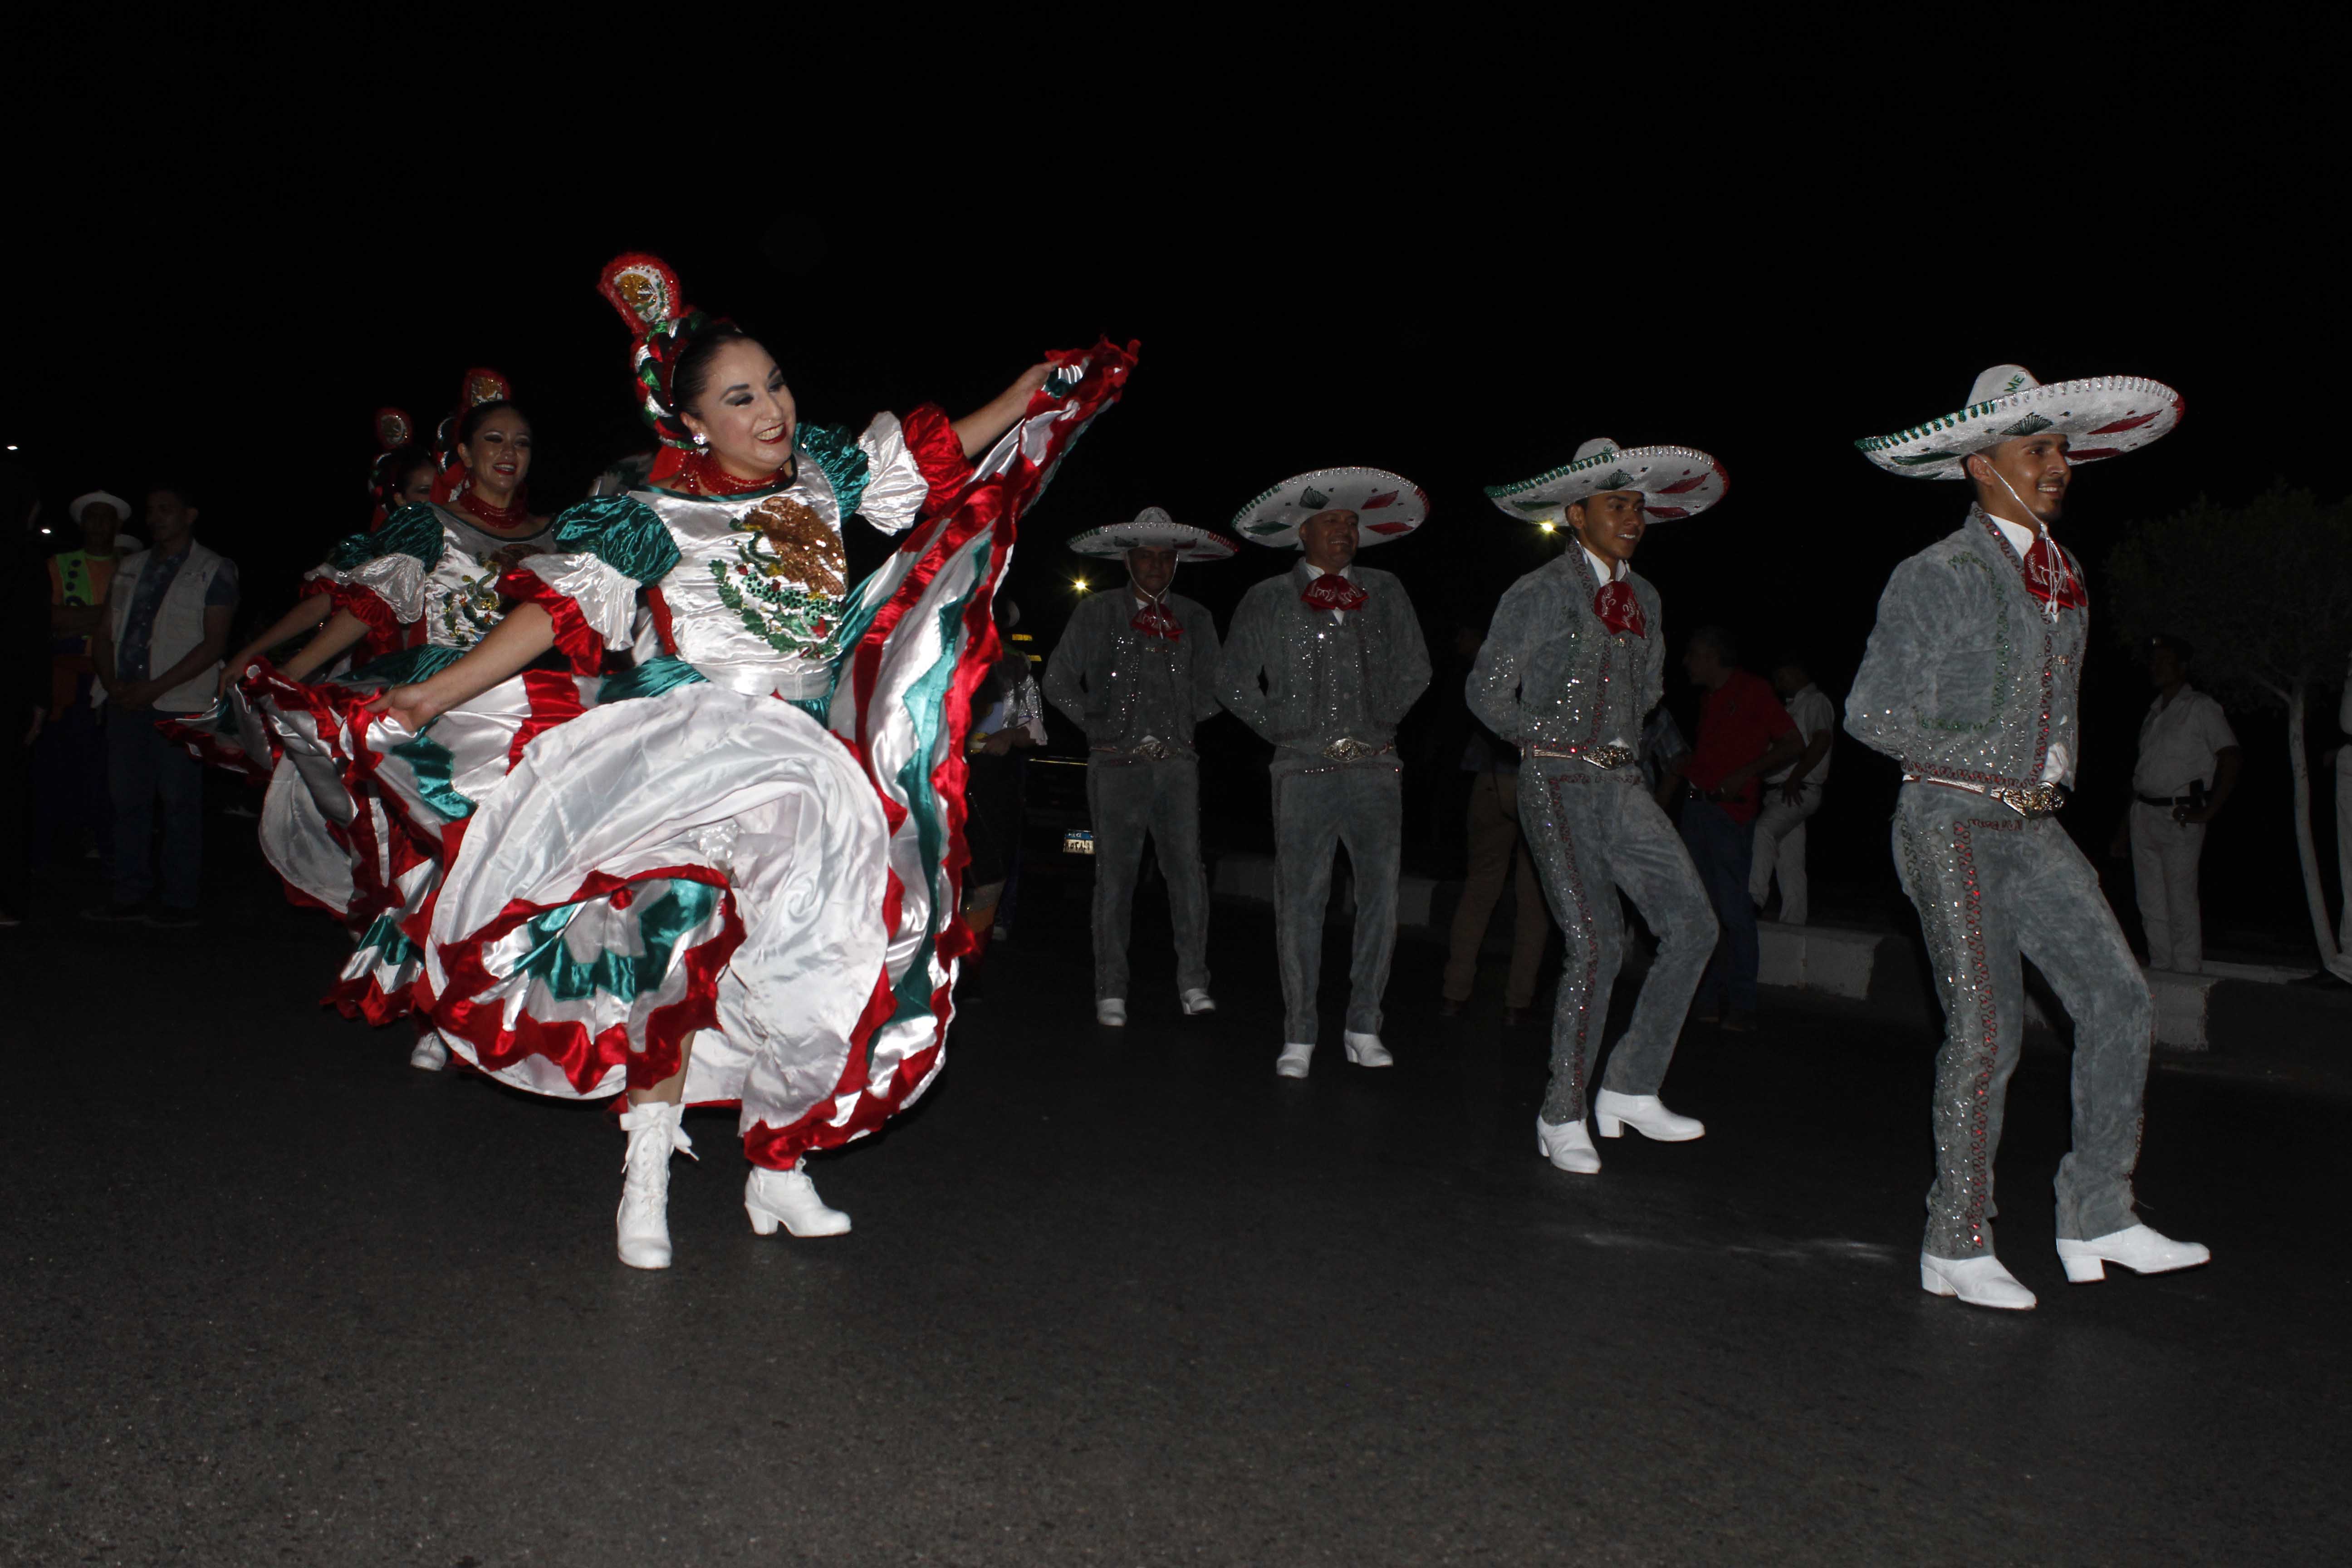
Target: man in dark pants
(159, 656)
(1744, 732)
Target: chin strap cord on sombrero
(2063, 587)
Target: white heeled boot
(1567, 1146)
(789, 1199)
(1292, 1062)
(2138, 1248)
(1644, 1113)
(1198, 1000)
(1366, 1050)
(654, 1135)
(1111, 1012)
(430, 1055)
(1978, 1281)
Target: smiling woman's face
(744, 411)
(498, 456)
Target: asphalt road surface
(1119, 1297)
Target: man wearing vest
(69, 756)
(168, 612)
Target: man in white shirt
(2188, 767)
(1794, 795)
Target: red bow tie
(2049, 577)
(1154, 620)
(1332, 591)
(1619, 610)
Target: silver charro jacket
(1967, 678)
(1551, 675)
(1121, 685)
(1327, 679)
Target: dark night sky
(1461, 292)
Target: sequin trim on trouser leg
(1554, 837)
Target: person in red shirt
(1744, 734)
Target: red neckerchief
(1155, 620)
(1619, 610)
(1332, 591)
(2050, 578)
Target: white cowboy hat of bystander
(1387, 506)
(79, 504)
(2101, 416)
(1154, 528)
(1675, 481)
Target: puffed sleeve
(895, 471)
(605, 550)
(380, 577)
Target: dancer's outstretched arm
(526, 633)
(979, 429)
(305, 615)
(344, 631)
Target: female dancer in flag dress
(735, 878)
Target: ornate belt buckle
(1158, 749)
(1347, 749)
(2033, 800)
(1607, 756)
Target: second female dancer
(734, 880)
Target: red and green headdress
(663, 326)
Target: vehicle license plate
(1078, 841)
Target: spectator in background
(2188, 767)
(24, 679)
(70, 759)
(1792, 795)
(1008, 717)
(1492, 824)
(1743, 733)
(159, 654)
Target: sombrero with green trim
(1676, 481)
(1387, 506)
(1154, 528)
(2103, 416)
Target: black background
(1422, 243)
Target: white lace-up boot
(789, 1199)
(654, 1135)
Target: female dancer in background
(735, 878)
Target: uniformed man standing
(1137, 670)
(1323, 661)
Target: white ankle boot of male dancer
(1980, 1281)
(789, 1199)
(1567, 1146)
(1366, 1050)
(1644, 1113)
(2140, 1249)
(643, 1222)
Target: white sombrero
(1387, 506)
(81, 504)
(1154, 528)
(1677, 481)
(2101, 417)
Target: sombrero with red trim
(1387, 506)
(2102, 417)
(1676, 481)
(1154, 528)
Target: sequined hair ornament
(394, 431)
(662, 327)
